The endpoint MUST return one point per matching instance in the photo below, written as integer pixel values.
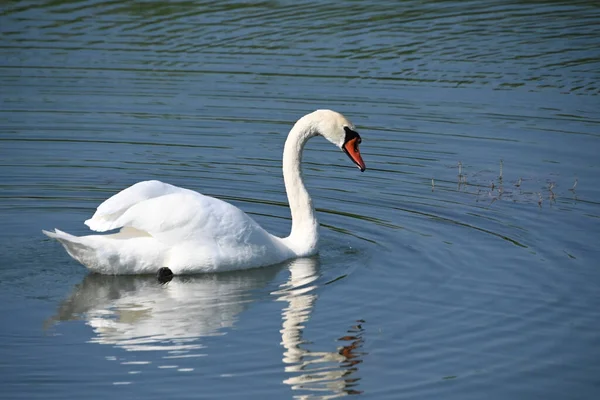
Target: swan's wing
(111, 210)
(188, 216)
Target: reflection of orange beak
(351, 148)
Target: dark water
(434, 281)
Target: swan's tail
(75, 246)
(127, 252)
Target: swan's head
(336, 128)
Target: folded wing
(106, 215)
(175, 215)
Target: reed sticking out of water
(552, 195)
(501, 165)
(574, 186)
(462, 179)
(432, 185)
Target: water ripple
(472, 275)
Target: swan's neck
(304, 236)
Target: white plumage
(162, 225)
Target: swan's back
(110, 210)
(197, 233)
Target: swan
(161, 225)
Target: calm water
(460, 265)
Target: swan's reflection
(138, 314)
(323, 375)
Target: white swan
(167, 226)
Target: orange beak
(351, 149)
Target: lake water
(463, 264)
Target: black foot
(164, 275)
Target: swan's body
(162, 225)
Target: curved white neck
(304, 236)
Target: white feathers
(162, 225)
(107, 213)
(194, 233)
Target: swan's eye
(350, 134)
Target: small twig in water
(518, 184)
(501, 164)
(550, 187)
(462, 179)
(494, 198)
(540, 200)
(574, 186)
(432, 185)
